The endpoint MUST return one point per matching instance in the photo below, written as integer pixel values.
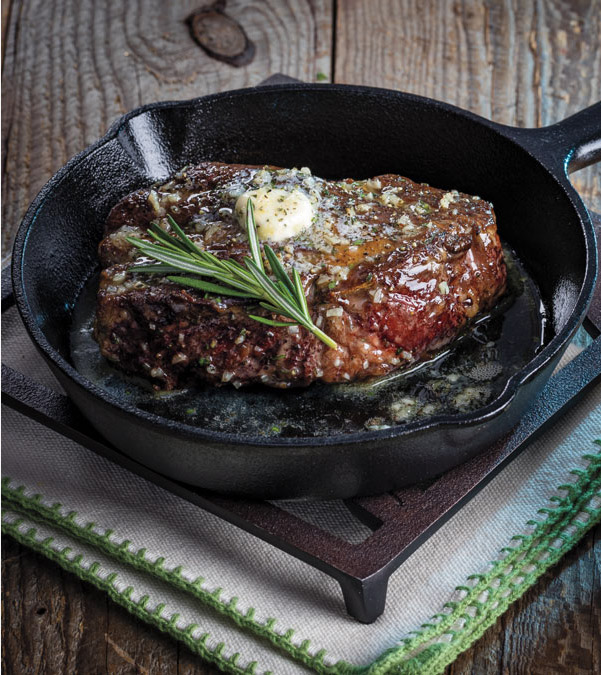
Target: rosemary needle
(283, 296)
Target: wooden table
(70, 67)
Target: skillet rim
(520, 137)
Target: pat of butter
(279, 214)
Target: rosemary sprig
(285, 296)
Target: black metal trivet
(399, 521)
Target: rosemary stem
(285, 296)
(322, 336)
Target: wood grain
(55, 624)
(6, 5)
(72, 67)
(523, 63)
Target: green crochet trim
(427, 652)
(32, 507)
(138, 609)
(489, 595)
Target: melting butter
(279, 214)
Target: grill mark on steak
(392, 269)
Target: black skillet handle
(579, 138)
(566, 146)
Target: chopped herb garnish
(332, 285)
(203, 361)
(358, 242)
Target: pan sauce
(463, 377)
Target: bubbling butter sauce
(466, 375)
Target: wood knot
(220, 36)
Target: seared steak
(392, 270)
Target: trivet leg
(365, 599)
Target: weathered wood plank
(71, 68)
(546, 634)
(554, 629)
(527, 63)
(47, 617)
(54, 624)
(6, 6)
(134, 647)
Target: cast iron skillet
(338, 131)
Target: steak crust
(392, 269)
